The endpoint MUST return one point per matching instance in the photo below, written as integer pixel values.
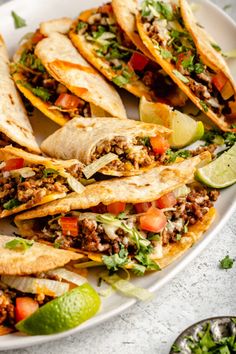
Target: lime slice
(185, 129)
(62, 313)
(221, 172)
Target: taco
(31, 276)
(182, 48)
(27, 180)
(116, 147)
(15, 127)
(141, 222)
(54, 77)
(107, 37)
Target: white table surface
(202, 290)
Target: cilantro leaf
(18, 244)
(216, 47)
(18, 21)
(41, 92)
(172, 155)
(12, 203)
(81, 25)
(30, 60)
(166, 54)
(49, 171)
(117, 260)
(145, 260)
(175, 348)
(204, 105)
(226, 262)
(123, 79)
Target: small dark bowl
(222, 327)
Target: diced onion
(69, 276)
(35, 285)
(24, 172)
(2, 164)
(6, 174)
(126, 287)
(97, 165)
(75, 185)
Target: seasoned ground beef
(6, 308)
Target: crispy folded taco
(56, 79)
(118, 147)
(27, 180)
(30, 277)
(107, 37)
(182, 48)
(140, 222)
(15, 127)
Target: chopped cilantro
(123, 79)
(145, 141)
(226, 263)
(18, 244)
(188, 63)
(80, 25)
(30, 60)
(204, 105)
(41, 92)
(166, 54)
(138, 269)
(198, 68)
(145, 260)
(18, 21)
(172, 155)
(99, 32)
(216, 47)
(12, 203)
(218, 137)
(49, 171)
(178, 237)
(117, 260)
(180, 76)
(175, 348)
(165, 9)
(153, 236)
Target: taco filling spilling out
(126, 234)
(163, 24)
(36, 79)
(113, 46)
(28, 183)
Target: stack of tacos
(142, 222)
(15, 127)
(191, 58)
(107, 37)
(27, 180)
(51, 73)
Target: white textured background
(202, 290)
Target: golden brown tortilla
(10, 152)
(14, 123)
(79, 138)
(36, 259)
(168, 67)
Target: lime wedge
(221, 172)
(62, 313)
(185, 129)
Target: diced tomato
(154, 220)
(37, 37)
(116, 208)
(138, 61)
(181, 57)
(105, 9)
(69, 225)
(67, 101)
(13, 164)
(142, 207)
(159, 144)
(219, 80)
(166, 201)
(25, 306)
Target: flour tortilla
(145, 188)
(79, 138)
(169, 67)
(36, 259)
(10, 152)
(136, 87)
(59, 25)
(14, 123)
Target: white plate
(224, 31)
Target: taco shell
(79, 138)
(10, 152)
(14, 123)
(36, 259)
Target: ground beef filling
(93, 238)
(31, 190)
(43, 85)
(132, 154)
(200, 83)
(119, 53)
